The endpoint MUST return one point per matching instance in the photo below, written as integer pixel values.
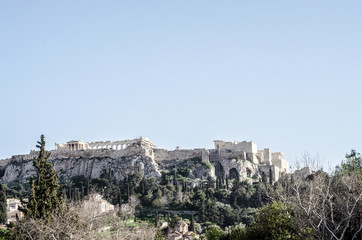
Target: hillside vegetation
(320, 206)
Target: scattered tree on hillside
(159, 235)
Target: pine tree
(192, 224)
(44, 196)
(3, 205)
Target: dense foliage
(272, 222)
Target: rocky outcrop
(89, 163)
(91, 167)
(94, 163)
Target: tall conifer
(44, 197)
(192, 224)
(3, 205)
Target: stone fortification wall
(4, 162)
(237, 155)
(181, 154)
(249, 147)
(279, 161)
(265, 156)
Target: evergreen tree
(175, 178)
(203, 211)
(119, 198)
(168, 222)
(87, 187)
(175, 219)
(159, 235)
(82, 193)
(157, 220)
(44, 196)
(128, 189)
(273, 221)
(227, 182)
(78, 194)
(71, 194)
(192, 224)
(270, 176)
(3, 204)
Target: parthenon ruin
(76, 145)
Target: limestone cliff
(92, 163)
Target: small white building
(12, 209)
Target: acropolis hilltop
(234, 159)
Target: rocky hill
(123, 158)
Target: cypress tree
(87, 187)
(119, 198)
(157, 220)
(168, 222)
(175, 178)
(82, 193)
(192, 224)
(44, 196)
(77, 194)
(128, 189)
(270, 176)
(227, 182)
(71, 194)
(174, 220)
(3, 205)
(203, 211)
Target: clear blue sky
(284, 74)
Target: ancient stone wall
(279, 161)
(180, 154)
(249, 147)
